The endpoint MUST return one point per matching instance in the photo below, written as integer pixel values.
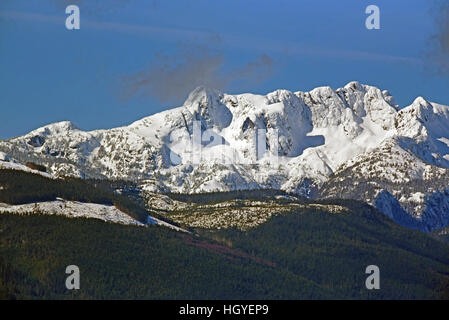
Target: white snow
(21, 167)
(72, 209)
(75, 209)
(153, 220)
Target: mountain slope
(23, 193)
(309, 254)
(406, 176)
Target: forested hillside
(19, 187)
(297, 255)
(333, 250)
(118, 262)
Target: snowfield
(74, 209)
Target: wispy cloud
(201, 62)
(239, 42)
(172, 77)
(94, 7)
(438, 50)
(164, 34)
(29, 16)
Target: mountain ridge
(310, 138)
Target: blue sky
(49, 74)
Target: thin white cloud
(175, 35)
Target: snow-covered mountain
(407, 175)
(310, 143)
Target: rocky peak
(206, 106)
